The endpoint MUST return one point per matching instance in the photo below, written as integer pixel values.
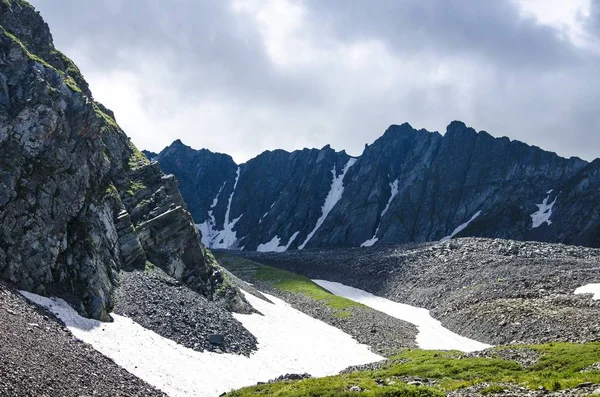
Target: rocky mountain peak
(408, 186)
(459, 130)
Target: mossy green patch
(111, 190)
(493, 389)
(109, 120)
(288, 282)
(136, 158)
(558, 368)
(134, 187)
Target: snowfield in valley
(590, 289)
(289, 342)
(432, 335)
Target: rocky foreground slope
(494, 291)
(408, 186)
(78, 201)
(39, 357)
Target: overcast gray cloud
(243, 76)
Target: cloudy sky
(244, 76)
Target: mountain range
(408, 186)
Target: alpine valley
(431, 265)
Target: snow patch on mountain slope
(544, 212)
(226, 238)
(289, 342)
(273, 245)
(334, 195)
(432, 335)
(374, 239)
(461, 227)
(590, 289)
(207, 228)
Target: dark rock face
(408, 186)
(78, 201)
(277, 194)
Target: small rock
(216, 339)
(355, 388)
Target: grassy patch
(111, 190)
(558, 368)
(137, 158)
(288, 282)
(134, 187)
(494, 389)
(334, 386)
(109, 120)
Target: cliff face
(408, 186)
(78, 201)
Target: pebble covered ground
(40, 357)
(171, 309)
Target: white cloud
(245, 76)
(567, 16)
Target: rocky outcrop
(408, 186)
(78, 201)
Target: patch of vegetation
(134, 187)
(109, 120)
(71, 69)
(137, 158)
(112, 191)
(287, 282)
(334, 386)
(558, 368)
(71, 83)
